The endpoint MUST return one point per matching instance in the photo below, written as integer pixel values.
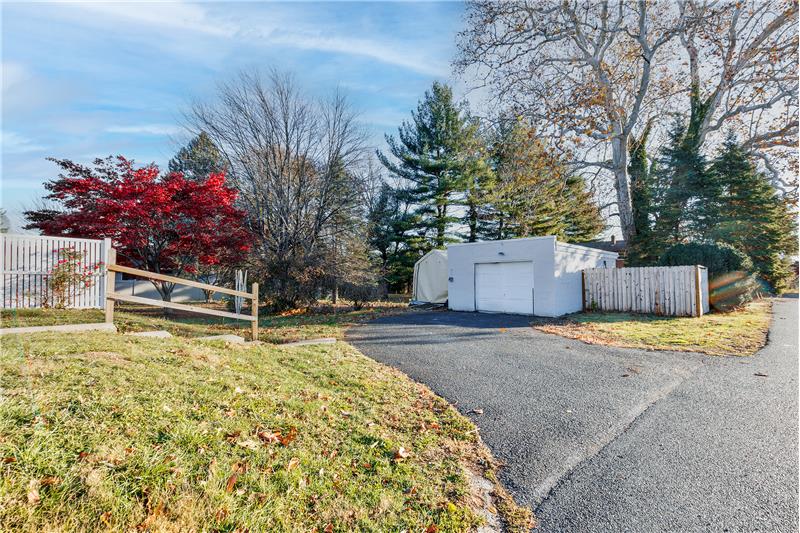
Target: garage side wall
(461, 260)
(571, 260)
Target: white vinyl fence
(673, 291)
(27, 260)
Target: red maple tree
(163, 223)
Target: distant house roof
(610, 246)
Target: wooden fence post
(583, 290)
(109, 285)
(698, 290)
(254, 311)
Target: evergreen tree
(198, 159)
(752, 216)
(535, 194)
(433, 153)
(641, 250)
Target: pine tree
(535, 194)
(641, 250)
(752, 216)
(198, 159)
(433, 153)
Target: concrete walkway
(607, 439)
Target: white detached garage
(531, 276)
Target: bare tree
(584, 71)
(290, 157)
(743, 76)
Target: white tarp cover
(430, 278)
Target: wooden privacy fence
(28, 261)
(112, 297)
(673, 291)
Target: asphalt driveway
(609, 439)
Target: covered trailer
(430, 278)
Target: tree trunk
(622, 185)
(335, 295)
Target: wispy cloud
(14, 143)
(179, 16)
(146, 129)
(410, 59)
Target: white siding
(571, 261)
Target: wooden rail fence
(673, 291)
(112, 297)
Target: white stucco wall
(570, 261)
(556, 271)
(461, 260)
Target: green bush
(718, 258)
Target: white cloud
(146, 129)
(175, 15)
(392, 55)
(14, 143)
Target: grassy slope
(741, 332)
(273, 328)
(101, 431)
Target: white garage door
(504, 287)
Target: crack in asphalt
(574, 462)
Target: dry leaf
(477, 411)
(401, 453)
(431, 529)
(293, 463)
(33, 492)
(250, 444)
(289, 437)
(231, 483)
(7, 460)
(50, 480)
(328, 528)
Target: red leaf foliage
(158, 222)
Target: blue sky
(87, 80)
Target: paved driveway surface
(609, 439)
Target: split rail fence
(672, 291)
(112, 297)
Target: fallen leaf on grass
(7, 460)
(33, 492)
(231, 483)
(401, 453)
(431, 529)
(250, 444)
(292, 464)
(50, 480)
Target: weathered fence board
(27, 261)
(670, 291)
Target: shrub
(360, 293)
(718, 258)
(68, 277)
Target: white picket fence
(669, 291)
(27, 260)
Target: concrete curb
(325, 340)
(68, 328)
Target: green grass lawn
(102, 431)
(324, 321)
(741, 332)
